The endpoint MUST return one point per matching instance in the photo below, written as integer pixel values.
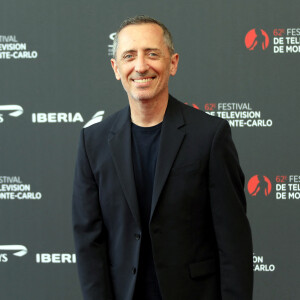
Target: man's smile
(143, 80)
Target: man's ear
(115, 68)
(174, 64)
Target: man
(158, 205)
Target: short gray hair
(142, 19)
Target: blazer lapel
(120, 145)
(171, 139)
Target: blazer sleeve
(89, 231)
(232, 229)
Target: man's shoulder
(97, 135)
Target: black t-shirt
(145, 145)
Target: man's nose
(141, 65)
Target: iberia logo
(257, 39)
(259, 184)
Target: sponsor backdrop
(238, 60)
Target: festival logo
(12, 188)
(257, 39)
(238, 114)
(259, 184)
(259, 264)
(285, 40)
(10, 48)
(287, 187)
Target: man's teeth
(143, 80)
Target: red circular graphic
(257, 39)
(259, 184)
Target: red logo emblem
(193, 105)
(257, 39)
(259, 184)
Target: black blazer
(200, 234)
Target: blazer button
(133, 270)
(137, 236)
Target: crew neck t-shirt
(145, 146)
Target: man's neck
(147, 113)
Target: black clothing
(145, 145)
(200, 235)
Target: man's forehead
(146, 32)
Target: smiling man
(159, 211)
(144, 62)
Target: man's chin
(142, 97)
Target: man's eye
(128, 56)
(152, 54)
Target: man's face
(143, 62)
